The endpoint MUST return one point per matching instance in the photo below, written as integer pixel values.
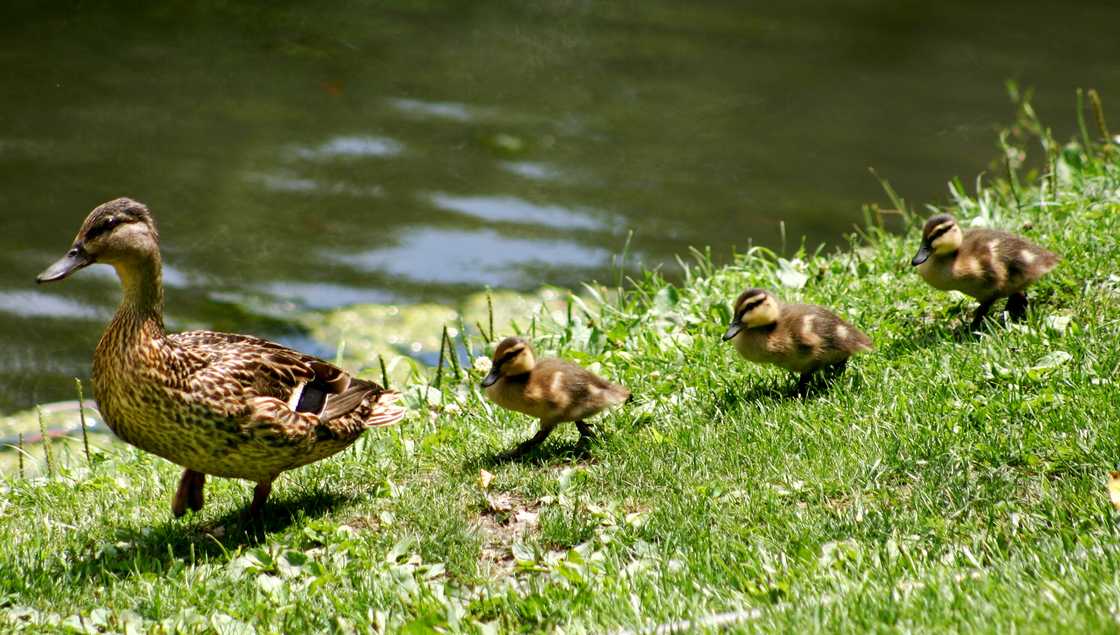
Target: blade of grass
(46, 442)
(82, 419)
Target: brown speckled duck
(803, 338)
(552, 390)
(984, 263)
(215, 403)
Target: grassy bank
(945, 482)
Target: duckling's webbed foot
(803, 383)
(189, 494)
(1017, 306)
(981, 313)
(526, 446)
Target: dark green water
(396, 151)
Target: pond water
(415, 151)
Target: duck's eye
(103, 226)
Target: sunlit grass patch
(944, 482)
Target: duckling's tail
(1049, 261)
(622, 394)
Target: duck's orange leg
(189, 495)
(260, 495)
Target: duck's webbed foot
(1017, 306)
(189, 494)
(260, 495)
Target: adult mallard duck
(804, 338)
(215, 403)
(984, 263)
(553, 390)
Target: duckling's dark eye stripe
(940, 232)
(505, 358)
(753, 304)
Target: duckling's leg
(260, 495)
(189, 493)
(1017, 305)
(803, 383)
(586, 431)
(981, 313)
(538, 438)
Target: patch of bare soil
(506, 518)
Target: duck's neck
(142, 304)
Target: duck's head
(513, 356)
(119, 232)
(940, 235)
(754, 307)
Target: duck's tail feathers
(385, 411)
(375, 405)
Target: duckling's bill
(74, 260)
(732, 330)
(492, 378)
(924, 252)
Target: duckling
(552, 390)
(984, 263)
(215, 403)
(803, 338)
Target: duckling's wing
(1024, 261)
(817, 331)
(1004, 262)
(574, 389)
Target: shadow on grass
(548, 453)
(930, 335)
(174, 543)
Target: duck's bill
(732, 330)
(923, 255)
(74, 259)
(490, 379)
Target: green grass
(944, 482)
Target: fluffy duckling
(984, 263)
(552, 390)
(803, 338)
(215, 403)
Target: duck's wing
(266, 386)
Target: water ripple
(36, 304)
(352, 147)
(510, 209)
(437, 109)
(449, 256)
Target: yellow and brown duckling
(984, 263)
(804, 338)
(215, 403)
(551, 390)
